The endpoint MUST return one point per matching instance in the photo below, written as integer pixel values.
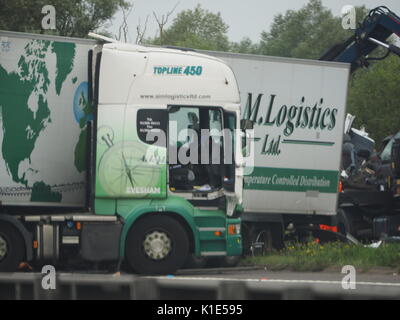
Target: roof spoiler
(102, 38)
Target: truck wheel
(157, 245)
(223, 262)
(12, 248)
(261, 240)
(230, 261)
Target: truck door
(132, 161)
(195, 149)
(204, 153)
(234, 165)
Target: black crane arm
(374, 31)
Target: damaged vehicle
(368, 200)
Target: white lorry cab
(175, 106)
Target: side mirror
(246, 124)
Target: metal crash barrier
(28, 286)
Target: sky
(246, 18)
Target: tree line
(305, 33)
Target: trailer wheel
(157, 245)
(262, 241)
(257, 239)
(12, 248)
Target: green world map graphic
(20, 125)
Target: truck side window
(188, 139)
(216, 138)
(181, 124)
(387, 151)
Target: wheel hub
(3, 247)
(157, 245)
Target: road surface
(229, 284)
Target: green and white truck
(91, 148)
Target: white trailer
(43, 96)
(298, 108)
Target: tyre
(262, 239)
(157, 245)
(230, 261)
(257, 240)
(12, 248)
(223, 262)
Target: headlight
(234, 229)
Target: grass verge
(317, 257)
